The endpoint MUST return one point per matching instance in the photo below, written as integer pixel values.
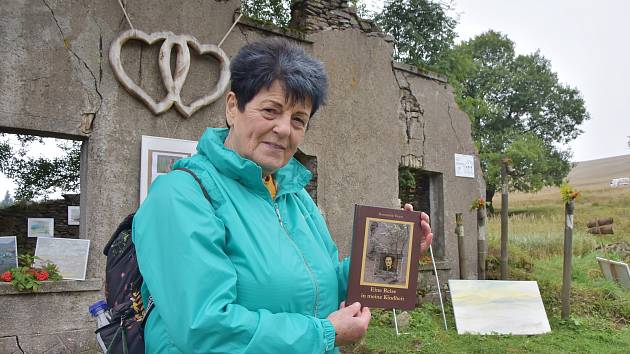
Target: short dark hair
(259, 64)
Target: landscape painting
(162, 162)
(74, 215)
(41, 227)
(8, 253)
(157, 157)
(70, 255)
(498, 307)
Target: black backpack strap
(203, 189)
(124, 225)
(149, 308)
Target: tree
(516, 104)
(518, 108)
(276, 12)
(7, 201)
(361, 8)
(40, 176)
(423, 31)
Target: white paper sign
(464, 166)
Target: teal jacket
(245, 274)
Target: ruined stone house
(56, 81)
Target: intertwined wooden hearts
(173, 85)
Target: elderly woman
(255, 270)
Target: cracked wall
(436, 130)
(57, 81)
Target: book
(384, 257)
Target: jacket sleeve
(180, 246)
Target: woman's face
(269, 129)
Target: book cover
(384, 258)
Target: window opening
(40, 185)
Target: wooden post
(459, 231)
(568, 253)
(504, 218)
(482, 246)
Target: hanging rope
(122, 7)
(125, 12)
(230, 30)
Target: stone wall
(321, 15)
(14, 220)
(381, 115)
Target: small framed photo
(41, 227)
(158, 156)
(74, 215)
(8, 253)
(69, 254)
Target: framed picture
(8, 253)
(41, 227)
(74, 215)
(158, 156)
(69, 254)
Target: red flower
(43, 275)
(6, 277)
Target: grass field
(600, 309)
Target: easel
(437, 281)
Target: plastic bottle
(100, 310)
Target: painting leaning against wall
(8, 253)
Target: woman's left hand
(427, 235)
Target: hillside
(598, 173)
(585, 175)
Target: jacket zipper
(308, 267)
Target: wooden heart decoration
(173, 85)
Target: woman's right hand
(350, 322)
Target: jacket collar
(291, 178)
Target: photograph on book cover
(386, 253)
(384, 259)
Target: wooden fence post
(459, 231)
(568, 253)
(482, 246)
(504, 218)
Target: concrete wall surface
(56, 81)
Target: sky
(586, 42)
